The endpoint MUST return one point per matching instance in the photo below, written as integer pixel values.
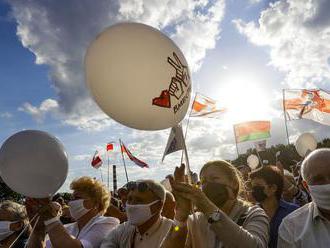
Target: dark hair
(272, 176)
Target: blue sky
(248, 50)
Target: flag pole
(114, 178)
(262, 164)
(285, 120)
(122, 155)
(108, 171)
(235, 141)
(187, 160)
(185, 134)
(101, 175)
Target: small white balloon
(253, 161)
(138, 76)
(305, 144)
(33, 163)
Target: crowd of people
(226, 206)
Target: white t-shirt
(93, 233)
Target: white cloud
(254, 1)
(298, 34)
(82, 157)
(39, 113)
(6, 115)
(58, 35)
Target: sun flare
(244, 99)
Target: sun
(244, 98)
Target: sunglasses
(140, 186)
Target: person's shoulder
(299, 213)
(106, 220)
(122, 228)
(288, 205)
(255, 210)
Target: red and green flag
(252, 130)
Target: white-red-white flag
(96, 161)
(308, 104)
(204, 106)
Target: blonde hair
(17, 210)
(95, 190)
(228, 170)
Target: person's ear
(17, 226)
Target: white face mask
(139, 214)
(321, 195)
(5, 231)
(77, 208)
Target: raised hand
(183, 206)
(180, 69)
(176, 88)
(196, 196)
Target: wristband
(51, 221)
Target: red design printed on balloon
(164, 100)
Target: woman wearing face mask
(90, 201)
(14, 225)
(223, 219)
(267, 188)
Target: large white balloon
(305, 144)
(253, 161)
(33, 163)
(138, 76)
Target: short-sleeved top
(128, 236)
(305, 227)
(93, 233)
(282, 211)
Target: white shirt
(126, 235)
(305, 227)
(155, 234)
(93, 233)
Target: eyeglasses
(140, 186)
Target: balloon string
(21, 233)
(26, 245)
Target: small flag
(260, 145)
(252, 130)
(175, 141)
(132, 157)
(109, 147)
(96, 161)
(308, 104)
(206, 107)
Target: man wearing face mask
(90, 201)
(14, 225)
(145, 226)
(267, 188)
(309, 226)
(223, 219)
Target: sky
(241, 53)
